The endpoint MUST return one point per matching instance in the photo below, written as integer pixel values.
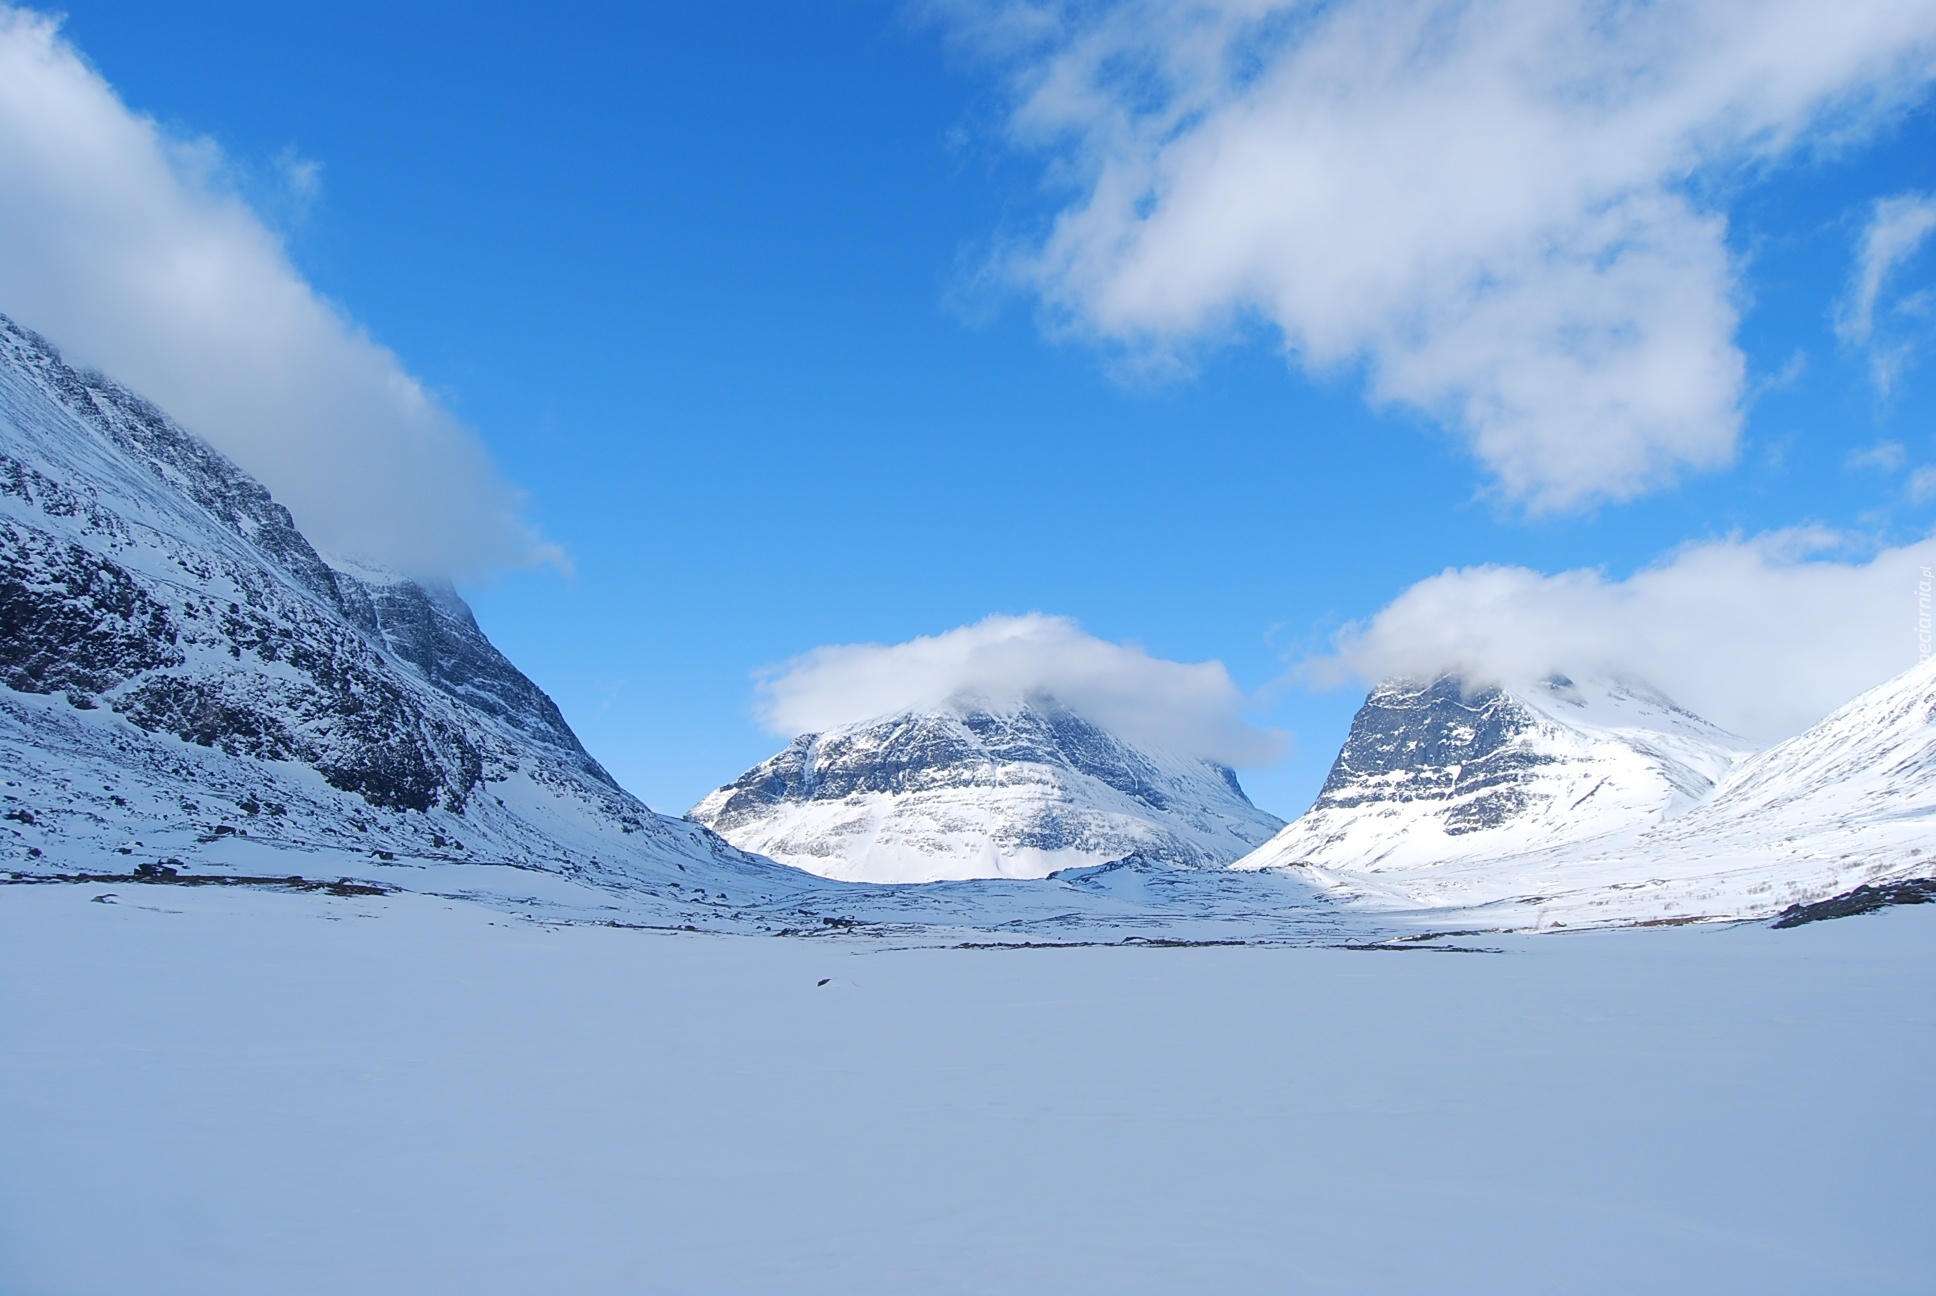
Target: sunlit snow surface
(223, 1090)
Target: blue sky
(711, 285)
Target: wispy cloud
(1484, 203)
(1001, 661)
(127, 247)
(299, 181)
(1887, 456)
(1763, 636)
(1898, 227)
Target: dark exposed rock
(72, 620)
(1864, 899)
(196, 711)
(1437, 742)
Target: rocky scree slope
(973, 790)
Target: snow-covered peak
(1443, 770)
(970, 790)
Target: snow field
(219, 1090)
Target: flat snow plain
(224, 1091)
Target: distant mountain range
(191, 688)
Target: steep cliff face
(1440, 770)
(975, 791)
(169, 639)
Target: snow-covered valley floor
(216, 1090)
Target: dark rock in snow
(1863, 899)
(1438, 741)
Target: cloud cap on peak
(1004, 661)
(1762, 636)
(128, 249)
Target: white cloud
(1897, 228)
(1483, 202)
(1888, 456)
(1193, 710)
(125, 247)
(1763, 636)
(1922, 484)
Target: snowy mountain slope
(978, 791)
(1850, 801)
(184, 674)
(1438, 772)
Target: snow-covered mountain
(186, 680)
(1850, 801)
(974, 790)
(1440, 771)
